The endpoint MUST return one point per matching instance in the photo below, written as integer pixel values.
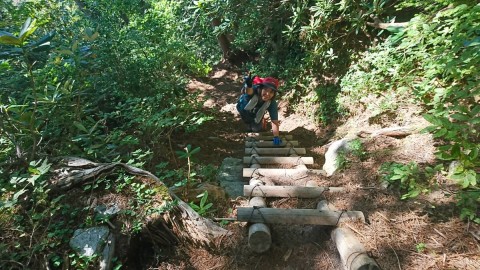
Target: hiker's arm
(249, 91)
(276, 127)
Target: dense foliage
(105, 80)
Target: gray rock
(230, 176)
(89, 241)
(331, 156)
(95, 240)
(107, 253)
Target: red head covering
(269, 82)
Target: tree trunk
(222, 40)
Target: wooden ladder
(259, 150)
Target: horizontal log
(279, 160)
(268, 138)
(296, 216)
(288, 191)
(270, 144)
(275, 151)
(252, 172)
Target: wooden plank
(270, 144)
(279, 160)
(288, 191)
(268, 138)
(296, 216)
(252, 172)
(275, 151)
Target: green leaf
(396, 177)
(194, 151)
(27, 29)
(432, 119)
(48, 37)
(440, 133)
(80, 126)
(395, 29)
(460, 117)
(7, 38)
(67, 52)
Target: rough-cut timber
(288, 191)
(352, 252)
(268, 138)
(270, 144)
(296, 216)
(279, 160)
(275, 151)
(251, 172)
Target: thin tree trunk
(222, 40)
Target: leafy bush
(433, 60)
(410, 177)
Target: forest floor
(420, 233)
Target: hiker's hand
(277, 140)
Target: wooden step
(288, 191)
(268, 138)
(275, 151)
(270, 144)
(296, 216)
(279, 160)
(250, 172)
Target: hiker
(258, 97)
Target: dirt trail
(423, 233)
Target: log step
(275, 151)
(296, 216)
(278, 160)
(250, 172)
(268, 138)
(270, 144)
(288, 191)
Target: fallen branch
(391, 132)
(381, 25)
(188, 224)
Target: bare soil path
(422, 233)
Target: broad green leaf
(432, 119)
(440, 133)
(7, 38)
(475, 110)
(474, 153)
(394, 29)
(18, 194)
(68, 52)
(194, 151)
(456, 150)
(471, 177)
(460, 117)
(80, 126)
(25, 26)
(396, 177)
(48, 37)
(27, 29)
